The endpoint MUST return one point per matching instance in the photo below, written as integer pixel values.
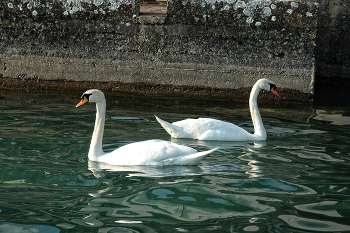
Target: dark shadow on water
(329, 94)
(228, 110)
(332, 92)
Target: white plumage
(211, 129)
(150, 152)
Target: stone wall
(333, 41)
(221, 44)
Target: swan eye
(87, 96)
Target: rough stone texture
(215, 44)
(119, 10)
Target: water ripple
(269, 186)
(313, 224)
(296, 180)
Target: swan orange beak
(273, 90)
(83, 101)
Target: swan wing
(173, 130)
(192, 159)
(150, 152)
(206, 129)
(212, 129)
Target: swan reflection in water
(249, 148)
(127, 197)
(99, 170)
(179, 198)
(186, 194)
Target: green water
(296, 181)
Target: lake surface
(296, 181)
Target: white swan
(211, 129)
(150, 152)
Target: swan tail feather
(173, 130)
(192, 159)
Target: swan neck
(259, 129)
(97, 136)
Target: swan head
(267, 85)
(93, 96)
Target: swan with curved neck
(150, 152)
(211, 129)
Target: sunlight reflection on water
(334, 118)
(313, 224)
